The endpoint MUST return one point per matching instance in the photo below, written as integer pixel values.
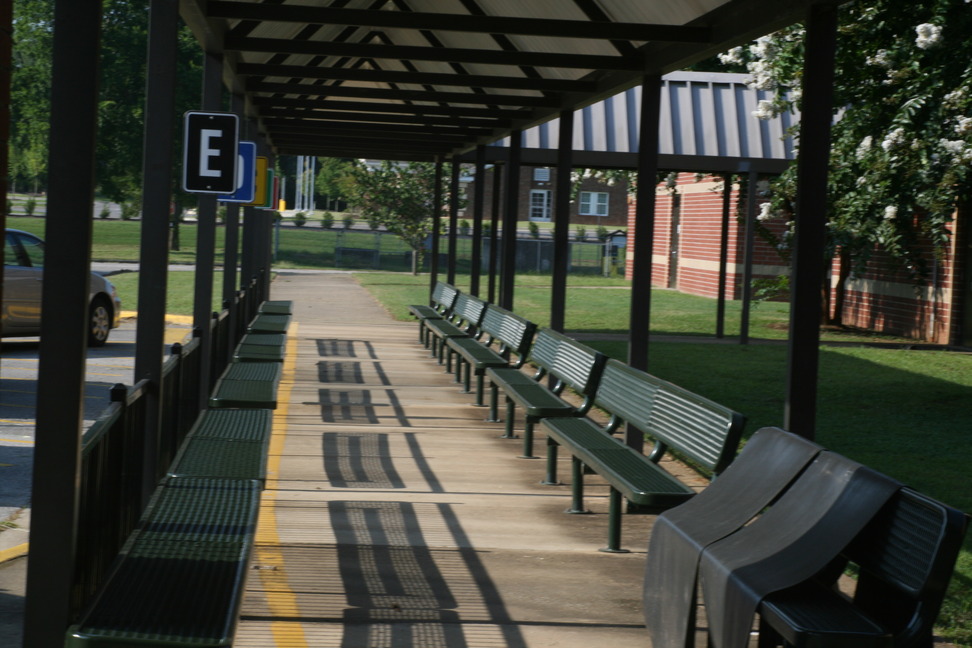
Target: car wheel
(99, 322)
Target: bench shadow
(397, 588)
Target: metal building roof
(420, 79)
(704, 116)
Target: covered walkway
(394, 515)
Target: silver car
(23, 271)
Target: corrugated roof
(420, 79)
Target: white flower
(964, 125)
(764, 212)
(864, 147)
(764, 47)
(880, 59)
(929, 35)
(955, 147)
(764, 110)
(894, 138)
(890, 212)
(733, 56)
(955, 97)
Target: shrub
(373, 223)
(534, 229)
(105, 212)
(327, 220)
(300, 219)
(348, 221)
(30, 205)
(464, 227)
(130, 209)
(487, 230)
(581, 233)
(602, 233)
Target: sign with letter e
(210, 152)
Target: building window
(593, 203)
(541, 174)
(539, 205)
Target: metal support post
(510, 216)
(565, 164)
(800, 412)
(60, 376)
(479, 199)
(453, 217)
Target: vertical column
(723, 255)
(453, 217)
(510, 215)
(749, 246)
(800, 412)
(6, 63)
(156, 198)
(436, 226)
(477, 230)
(644, 235)
(60, 376)
(565, 164)
(206, 236)
(494, 228)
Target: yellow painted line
(25, 441)
(13, 552)
(281, 599)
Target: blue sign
(245, 175)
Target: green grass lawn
(902, 412)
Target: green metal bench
(261, 347)
(277, 307)
(247, 385)
(905, 557)
(226, 443)
(705, 433)
(502, 335)
(442, 300)
(567, 363)
(269, 323)
(179, 578)
(462, 321)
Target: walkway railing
(113, 448)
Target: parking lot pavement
(108, 365)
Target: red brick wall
(883, 299)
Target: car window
(34, 249)
(11, 251)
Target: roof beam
(600, 30)
(447, 55)
(425, 120)
(396, 108)
(312, 126)
(420, 78)
(389, 94)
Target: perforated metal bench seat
(229, 443)
(180, 579)
(277, 307)
(258, 353)
(247, 384)
(269, 323)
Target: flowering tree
(398, 196)
(902, 140)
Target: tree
(30, 90)
(398, 196)
(902, 138)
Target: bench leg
(614, 524)
(466, 377)
(479, 390)
(448, 358)
(576, 487)
(551, 478)
(510, 413)
(493, 403)
(528, 439)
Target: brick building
(597, 203)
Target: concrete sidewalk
(396, 516)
